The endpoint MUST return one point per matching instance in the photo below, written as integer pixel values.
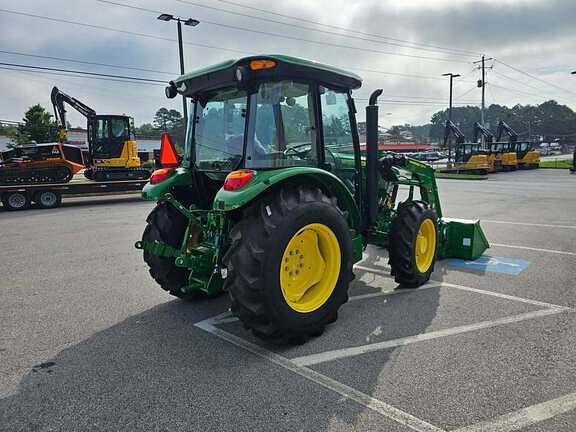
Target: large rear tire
(413, 244)
(289, 265)
(168, 225)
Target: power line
(64, 59)
(443, 51)
(455, 50)
(427, 98)
(84, 62)
(84, 73)
(99, 27)
(411, 103)
(106, 77)
(521, 83)
(465, 93)
(77, 76)
(535, 77)
(295, 38)
(518, 91)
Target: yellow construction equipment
(526, 155)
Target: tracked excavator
(501, 155)
(112, 149)
(526, 155)
(469, 157)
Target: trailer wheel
(289, 265)
(413, 244)
(168, 225)
(16, 201)
(48, 199)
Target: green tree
(171, 121)
(147, 131)
(549, 120)
(37, 125)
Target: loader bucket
(461, 238)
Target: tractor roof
(279, 67)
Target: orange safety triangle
(168, 155)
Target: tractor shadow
(157, 371)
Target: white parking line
(433, 284)
(526, 416)
(342, 389)
(364, 349)
(529, 224)
(506, 296)
(385, 292)
(559, 252)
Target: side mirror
(171, 91)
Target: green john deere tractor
(275, 198)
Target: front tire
(289, 265)
(413, 244)
(167, 225)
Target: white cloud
(531, 35)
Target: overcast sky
(535, 36)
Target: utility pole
(452, 76)
(482, 84)
(189, 22)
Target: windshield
(218, 132)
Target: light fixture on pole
(189, 22)
(452, 76)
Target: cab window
(282, 129)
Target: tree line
(549, 120)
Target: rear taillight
(237, 179)
(160, 175)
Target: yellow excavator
(468, 157)
(501, 155)
(526, 155)
(112, 148)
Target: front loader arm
(393, 168)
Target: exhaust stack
(372, 158)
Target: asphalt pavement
(88, 341)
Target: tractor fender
(263, 181)
(177, 177)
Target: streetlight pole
(190, 22)
(452, 76)
(573, 169)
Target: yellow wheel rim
(425, 245)
(310, 268)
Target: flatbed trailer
(23, 196)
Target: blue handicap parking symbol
(485, 263)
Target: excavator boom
(111, 145)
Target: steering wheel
(293, 150)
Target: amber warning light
(262, 64)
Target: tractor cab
(267, 114)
